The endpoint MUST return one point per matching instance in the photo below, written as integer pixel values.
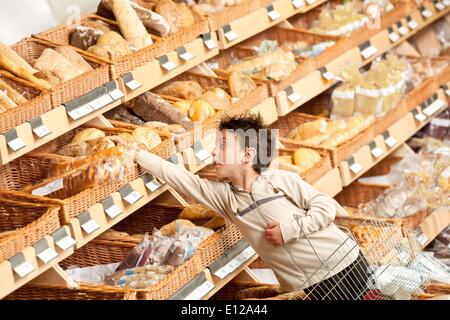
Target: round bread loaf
(88, 134)
(147, 137)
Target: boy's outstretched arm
(210, 193)
(320, 211)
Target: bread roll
(151, 20)
(308, 129)
(110, 45)
(169, 11)
(60, 66)
(12, 93)
(201, 110)
(306, 158)
(185, 17)
(218, 98)
(128, 137)
(130, 26)
(189, 90)
(315, 140)
(48, 76)
(88, 134)
(214, 223)
(197, 212)
(147, 137)
(84, 37)
(74, 58)
(170, 229)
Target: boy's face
(229, 155)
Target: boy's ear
(250, 154)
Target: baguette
(130, 26)
(308, 129)
(6, 101)
(74, 58)
(8, 54)
(12, 93)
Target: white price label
(403, 30)
(310, 2)
(186, 56)
(47, 255)
(390, 142)
(393, 36)
(273, 15)
(440, 122)
(235, 263)
(298, 3)
(81, 111)
(426, 13)
(200, 292)
(420, 117)
(404, 256)
(422, 239)
(440, 6)
(41, 131)
(49, 188)
(116, 94)
(355, 168)
(434, 107)
(16, 144)
(169, 65)
(328, 75)
(90, 226)
(153, 185)
(210, 44)
(24, 269)
(134, 84)
(368, 52)
(377, 152)
(413, 24)
(294, 97)
(231, 35)
(66, 243)
(133, 197)
(113, 211)
(202, 155)
(101, 102)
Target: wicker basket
(315, 173)
(39, 102)
(383, 167)
(357, 194)
(231, 13)
(31, 49)
(281, 35)
(401, 10)
(117, 67)
(188, 138)
(338, 154)
(29, 172)
(24, 220)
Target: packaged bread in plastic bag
(343, 97)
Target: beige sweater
(276, 195)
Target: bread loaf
(6, 101)
(214, 223)
(315, 140)
(306, 158)
(197, 212)
(11, 61)
(12, 93)
(201, 110)
(55, 62)
(151, 107)
(259, 292)
(48, 76)
(151, 20)
(110, 45)
(218, 98)
(74, 58)
(146, 136)
(122, 113)
(189, 90)
(308, 129)
(169, 11)
(240, 85)
(185, 16)
(170, 229)
(130, 26)
(87, 134)
(84, 37)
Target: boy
(287, 222)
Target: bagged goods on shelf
(306, 50)
(341, 20)
(439, 127)
(343, 97)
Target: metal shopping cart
(382, 271)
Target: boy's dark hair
(264, 141)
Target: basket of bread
(191, 105)
(20, 101)
(150, 256)
(55, 68)
(82, 167)
(340, 137)
(24, 220)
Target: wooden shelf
(434, 224)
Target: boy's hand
(273, 234)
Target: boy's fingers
(272, 225)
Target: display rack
(102, 216)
